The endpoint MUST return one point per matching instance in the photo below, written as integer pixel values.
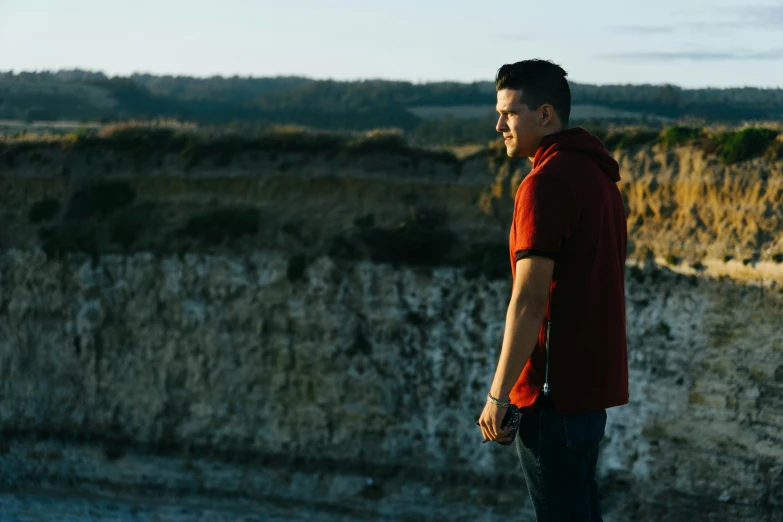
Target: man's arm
(523, 322)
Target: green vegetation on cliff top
(193, 146)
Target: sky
(691, 43)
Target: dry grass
(113, 129)
(464, 151)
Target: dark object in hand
(511, 420)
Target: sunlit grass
(194, 144)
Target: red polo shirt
(569, 209)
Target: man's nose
(501, 125)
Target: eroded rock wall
(687, 204)
(360, 366)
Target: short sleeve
(543, 214)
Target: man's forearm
(523, 323)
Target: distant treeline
(326, 104)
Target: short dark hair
(541, 81)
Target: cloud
(699, 56)
(711, 26)
(770, 16)
(764, 17)
(646, 29)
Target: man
(564, 358)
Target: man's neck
(547, 132)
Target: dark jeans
(558, 455)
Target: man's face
(519, 125)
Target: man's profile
(563, 360)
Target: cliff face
(273, 363)
(681, 203)
(316, 195)
(686, 204)
(370, 371)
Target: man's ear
(547, 112)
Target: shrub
(194, 150)
(489, 259)
(71, 237)
(409, 244)
(80, 206)
(125, 232)
(420, 240)
(227, 223)
(746, 144)
(629, 139)
(36, 158)
(43, 210)
(125, 228)
(133, 137)
(107, 198)
(672, 260)
(103, 199)
(141, 142)
(395, 143)
(297, 141)
(347, 247)
(678, 135)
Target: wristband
(496, 402)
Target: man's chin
(512, 150)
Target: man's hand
(490, 421)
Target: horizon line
(355, 79)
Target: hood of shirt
(579, 140)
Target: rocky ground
(42, 506)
